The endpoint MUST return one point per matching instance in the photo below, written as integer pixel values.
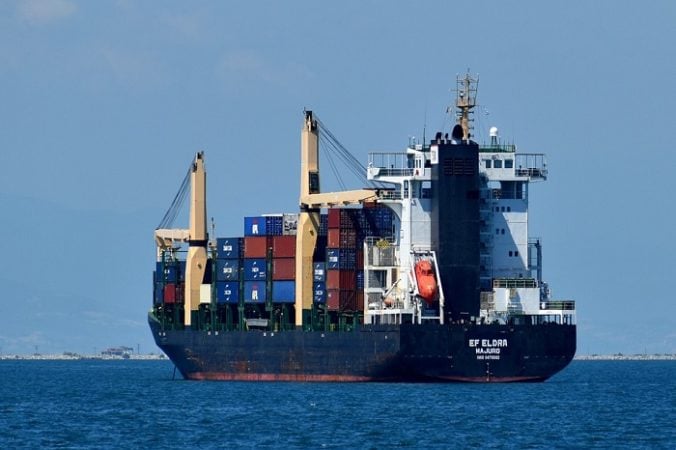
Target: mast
(466, 92)
(196, 260)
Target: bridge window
(498, 164)
(487, 163)
(509, 163)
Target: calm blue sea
(136, 404)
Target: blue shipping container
(227, 292)
(228, 248)
(341, 258)
(158, 293)
(255, 269)
(255, 226)
(254, 292)
(167, 271)
(283, 291)
(264, 226)
(227, 270)
(274, 225)
(319, 292)
(319, 271)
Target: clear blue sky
(102, 105)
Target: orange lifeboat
(427, 284)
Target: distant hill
(74, 280)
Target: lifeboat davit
(427, 283)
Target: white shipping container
(205, 293)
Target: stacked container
(341, 259)
(284, 269)
(228, 262)
(269, 261)
(169, 282)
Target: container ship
(427, 275)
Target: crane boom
(311, 201)
(196, 260)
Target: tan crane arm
(329, 199)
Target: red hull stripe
(491, 379)
(222, 376)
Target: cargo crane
(311, 202)
(195, 236)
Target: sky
(103, 104)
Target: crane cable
(177, 203)
(353, 165)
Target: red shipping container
(334, 218)
(348, 301)
(360, 300)
(255, 247)
(283, 246)
(284, 269)
(341, 279)
(180, 293)
(333, 240)
(170, 293)
(332, 299)
(360, 258)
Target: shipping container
(170, 293)
(274, 224)
(284, 246)
(341, 258)
(255, 226)
(167, 271)
(319, 271)
(290, 224)
(332, 299)
(227, 292)
(360, 300)
(319, 254)
(323, 224)
(340, 238)
(333, 220)
(255, 291)
(205, 293)
(283, 291)
(158, 293)
(227, 269)
(347, 218)
(255, 269)
(229, 248)
(319, 292)
(284, 269)
(256, 247)
(340, 279)
(360, 279)
(180, 293)
(348, 300)
(341, 300)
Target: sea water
(139, 404)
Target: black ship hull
(418, 353)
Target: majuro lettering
(487, 348)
